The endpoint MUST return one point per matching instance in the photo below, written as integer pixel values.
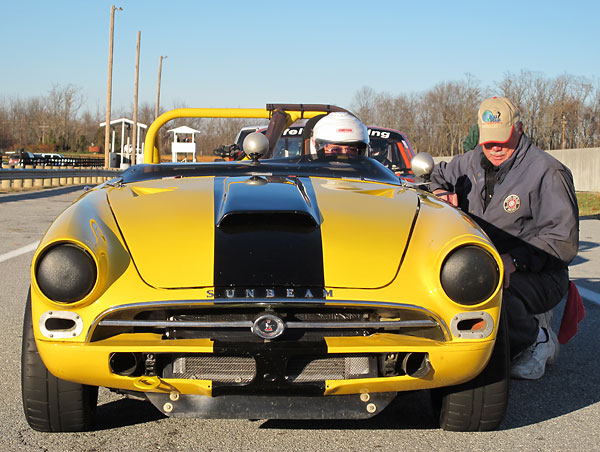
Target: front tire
(51, 404)
(479, 404)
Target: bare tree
(557, 112)
(63, 105)
(363, 104)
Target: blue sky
(248, 53)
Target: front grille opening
(256, 368)
(174, 323)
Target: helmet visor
(350, 149)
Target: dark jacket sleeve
(557, 216)
(446, 174)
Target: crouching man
(524, 199)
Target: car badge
(512, 203)
(268, 326)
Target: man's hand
(447, 196)
(509, 268)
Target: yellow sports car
(264, 288)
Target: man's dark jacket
(533, 213)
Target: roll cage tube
(286, 114)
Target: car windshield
(359, 168)
(387, 146)
(288, 146)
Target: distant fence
(79, 162)
(47, 177)
(583, 163)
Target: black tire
(479, 404)
(51, 404)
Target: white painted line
(18, 252)
(589, 295)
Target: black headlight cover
(66, 273)
(469, 275)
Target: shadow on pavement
(124, 412)
(38, 194)
(583, 246)
(410, 410)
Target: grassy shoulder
(589, 204)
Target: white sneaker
(545, 321)
(530, 364)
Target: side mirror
(422, 165)
(255, 146)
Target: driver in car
(339, 134)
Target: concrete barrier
(6, 183)
(583, 163)
(28, 178)
(585, 166)
(28, 183)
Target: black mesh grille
(226, 369)
(301, 370)
(242, 370)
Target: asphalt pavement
(560, 412)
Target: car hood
(264, 231)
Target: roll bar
(280, 116)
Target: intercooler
(242, 370)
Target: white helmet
(339, 133)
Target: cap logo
(344, 130)
(490, 118)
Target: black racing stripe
(274, 249)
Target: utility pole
(44, 127)
(135, 101)
(21, 132)
(564, 123)
(109, 89)
(158, 87)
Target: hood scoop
(266, 203)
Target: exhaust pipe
(416, 365)
(124, 364)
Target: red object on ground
(573, 314)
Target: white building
(184, 142)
